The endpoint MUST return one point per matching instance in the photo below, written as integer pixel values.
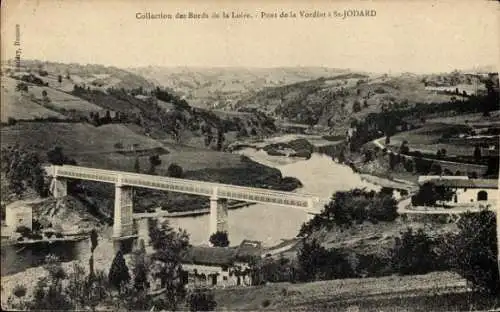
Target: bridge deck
(216, 190)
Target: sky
(414, 36)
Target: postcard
(250, 155)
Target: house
(18, 214)
(220, 266)
(467, 191)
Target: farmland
(440, 291)
(20, 106)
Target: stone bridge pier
(124, 234)
(123, 225)
(218, 215)
(59, 187)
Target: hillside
(116, 128)
(92, 75)
(439, 291)
(335, 101)
(222, 87)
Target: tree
(86, 291)
(49, 293)
(219, 239)
(428, 194)
(140, 269)
(310, 256)
(436, 169)
(59, 78)
(413, 253)
(404, 149)
(21, 86)
(137, 168)
(474, 251)
(383, 207)
(154, 161)
(356, 107)
(242, 133)
(168, 245)
(477, 154)
(93, 245)
(201, 300)
(57, 157)
(220, 139)
(175, 171)
(409, 165)
(392, 161)
(317, 263)
(118, 273)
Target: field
(435, 136)
(439, 291)
(62, 100)
(74, 138)
(476, 120)
(19, 106)
(335, 101)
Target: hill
(19, 105)
(92, 75)
(334, 101)
(439, 291)
(222, 87)
(116, 128)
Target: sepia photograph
(281, 155)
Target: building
(18, 214)
(220, 266)
(467, 191)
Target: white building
(467, 191)
(18, 214)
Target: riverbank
(190, 213)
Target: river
(270, 224)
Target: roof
(470, 183)
(209, 255)
(221, 255)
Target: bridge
(218, 193)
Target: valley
(351, 127)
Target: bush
(266, 303)
(24, 231)
(175, 171)
(201, 300)
(11, 121)
(356, 107)
(354, 206)
(19, 291)
(219, 239)
(317, 263)
(21, 86)
(414, 253)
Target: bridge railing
(203, 188)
